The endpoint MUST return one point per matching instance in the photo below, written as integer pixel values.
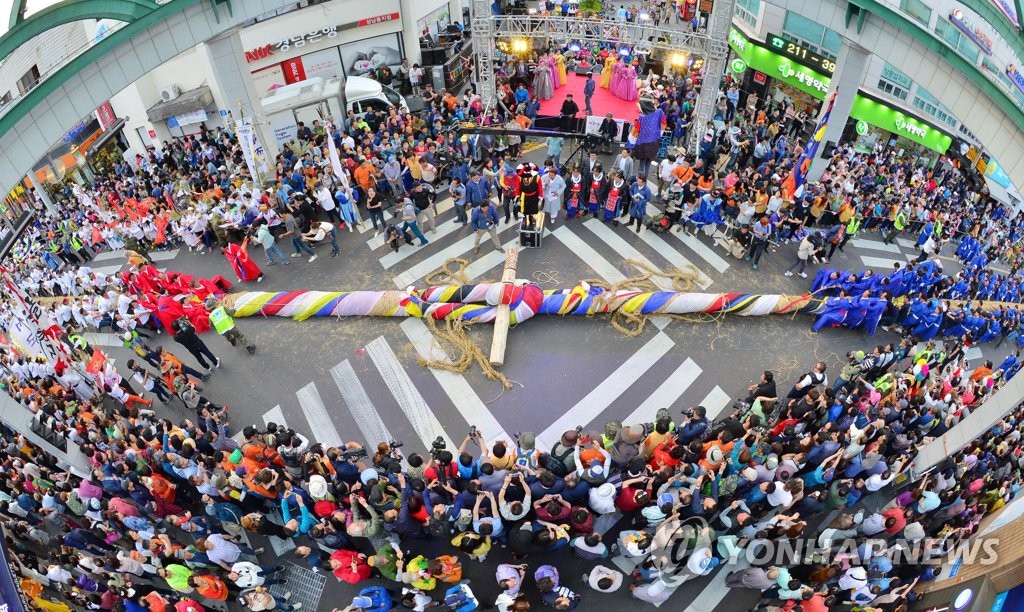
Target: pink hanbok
(628, 87)
(616, 85)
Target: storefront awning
(191, 100)
(107, 134)
(1007, 197)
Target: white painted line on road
(673, 257)
(881, 264)
(608, 390)
(102, 339)
(715, 590)
(436, 260)
(108, 255)
(424, 421)
(108, 270)
(625, 250)
(319, 419)
(595, 260)
(974, 353)
(716, 402)
(907, 242)
(378, 241)
(455, 386)
(392, 258)
(875, 245)
(589, 255)
(274, 415)
(704, 251)
(163, 255)
(364, 413)
(490, 260)
(667, 394)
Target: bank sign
(1016, 76)
(975, 33)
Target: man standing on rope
(220, 319)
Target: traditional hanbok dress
(574, 195)
(542, 83)
(238, 256)
(628, 85)
(607, 73)
(560, 64)
(617, 76)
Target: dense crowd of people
(163, 519)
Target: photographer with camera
(694, 424)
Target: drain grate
(306, 586)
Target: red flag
(96, 362)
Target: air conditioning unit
(170, 93)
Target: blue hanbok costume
(875, 309)
(709, 212)
(926, 232)
(833, 314)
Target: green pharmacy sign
(738, 65)
(862, 128)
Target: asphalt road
(359, 379)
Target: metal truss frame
(710, 43)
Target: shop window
(917, 9)
(7, 97)
(748, 11)
(966, 132)
(953, 37)
(29, 80)
(816, 37)
(892, 89)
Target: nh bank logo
(903, 126)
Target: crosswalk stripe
(608, 390)
(393, 257)
(274, 415)
(907, 242)
(108, 255)
(436, 260)
(881, 264)
(108, 270)
(704, 251)
(424, 421)
(589, 255)
(595, 260)
(102, 339)
(875, 245)
(163, 255)
(672, 256)
(715, 590)
(618, 244)
(319, 419)
(716, 402)
(455, 386)
(378, 241)
(667, 394)
(490, 260)
(974, 353)
(364, 413)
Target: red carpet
(603, 101)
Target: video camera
(355, 453)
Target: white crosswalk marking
(424, 421)
(108, 270)
(715, 591)
(881, 264)
(716, 402)
(163, 255)
(618, 244)
(108, 255)
(455, 386)
(907, 242)
(274, 415)
(608, 390)
(364, 413)
(435, 261)
(490, 260)
(672, 256)
(875, 245)
(378, 241)
(319, 419)
(704, 251)
(102, 339)
(595, 260)
(667, 394)
(974, 353)
(394, 257)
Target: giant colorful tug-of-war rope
(477, 303)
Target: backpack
(817, 240)
(553, 464)
(324, 508)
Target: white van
(318, 99)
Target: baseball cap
(361, 601)
(709, 563)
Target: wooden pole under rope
(501, 317)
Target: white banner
(594, 126)
(252, 149)
(284, 131)
(332, 150)
(196, 116)
(27, 324)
